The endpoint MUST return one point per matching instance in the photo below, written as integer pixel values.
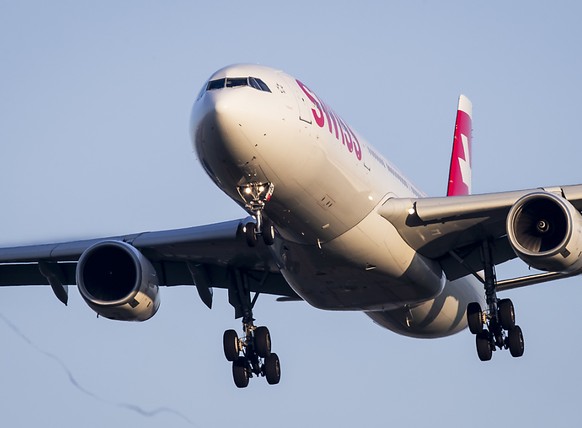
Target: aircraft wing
(452, 229)
(177, 256)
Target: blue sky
(94, 106)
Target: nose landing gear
(256, 195)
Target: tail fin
(460, 170)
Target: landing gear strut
(495, 327)
(256, 195)
(250, 354)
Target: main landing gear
(256, 195)
(250, 354)
(495, 327)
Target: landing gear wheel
(240, 373)
(506, 314)
(484, 348)
(268, 233)
(475, 318)
(515, 342)
(230, 345)
(262, 342)
(251, 234)
(272, 369)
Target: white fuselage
(333, 248)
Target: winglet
(460, 170)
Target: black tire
(230, 345)
(268, 233)
(475, 318)
(515, 342)
(240, 373)
(251, 234)
(262, 342)
(484, 348)
(272, 369)
(506, 314)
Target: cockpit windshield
(215, 84)
(233, 82)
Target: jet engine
(118, 282)
(545, 231)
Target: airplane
(330, 222)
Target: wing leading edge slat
(219, 247)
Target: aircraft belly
(367, 268)
(439, 317)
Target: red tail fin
(460, 170)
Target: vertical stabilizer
(460, 170)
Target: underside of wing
(452, 229)
(206, 256)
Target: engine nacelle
(118, 282)
(545, 231)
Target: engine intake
(545, 231)
(118, 282)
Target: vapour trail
(132, 407)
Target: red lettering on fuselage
(336, 125)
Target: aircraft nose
(219, 127)
(242, 127)
(203, 116)
(216, 109)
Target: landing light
(411, 210)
